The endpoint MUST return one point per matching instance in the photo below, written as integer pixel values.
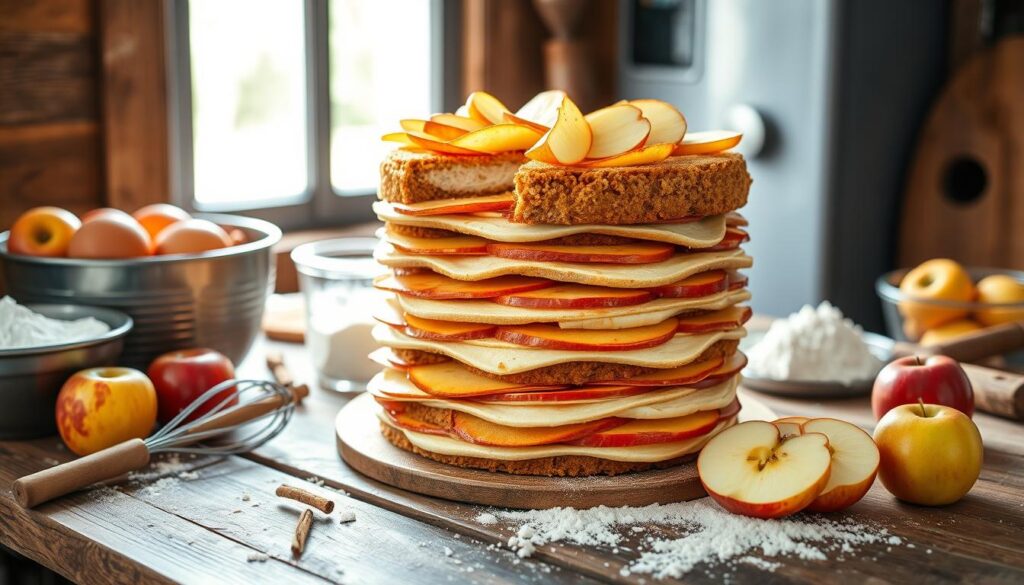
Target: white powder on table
(713, 536)
(814, 345)
(21, 327)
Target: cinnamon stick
(306, 497)
(283, 376)
(302, 532)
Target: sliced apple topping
(707, 142)
(668, 126)
(638, 253)
(855, 460)
(751, 469)
(648, 432)
(616, 130)
(553, 337)
(453, 380)
(541, 112)
(721, 320)
(568, 140)
(481, 432)
(644, 156)
(431, 285)
(460, 122)
(577, 296)
(486, 108)
(498, 138)
(698, 285)
(430, 143)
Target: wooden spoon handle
(54, 482)
(997, 392)
(975, 346)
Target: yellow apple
(1000, 289)
(930, 454)
(939, 279)
(949, 331)
(101, 407)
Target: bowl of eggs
(186, 280)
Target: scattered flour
(20, 327)
(713, 536)
(814, 345)
(257, 557)
(346, 516)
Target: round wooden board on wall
(362, 446)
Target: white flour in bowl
(20, 327)
(814, 345)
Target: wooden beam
(135, 105)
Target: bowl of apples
(185, 280)
(940, 300)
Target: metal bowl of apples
(177, 300)
(940, 300)
(30, 377)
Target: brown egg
(100, 212)
(110, 235)
(154, 218)
(192, 236)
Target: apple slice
(453, 380)
(731, 366)
(732, 240)
(668, 126)
(430, 143)
(707, 142)
(790, 425)
(645, 156)
(399, 137)
(698, 285)
(540, 112)
(481, 432)
(499, 202)
(735, 219)
(721, 320)
(568, 140)
(439, 330)
(484, 107)
(577, 296)
(387, 358)
(737, 280)
(567, 395)
(750, 469)
(553, 337)
(456, 121)
(404, 421)
(442, 131)
(680, 376)
(498, 138)
(639, 253)
(855, 461)
(648, 432)
(616, 130)
(448, 246)
(430, 285)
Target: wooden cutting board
(362, 446)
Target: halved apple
(484, 107)
(644, 156)
(698, 285)
(430, 285)
(668, 125)
(540, 112)
(616, 129)
(750, 469)
(577, 296)
(499, 202)
(721, 320)
(680, 376)
(430, 143)
(481, 432)
(707, 142)
(453, 380)
(638, 253)
(855, 461)
(448, 246)
(404, 421)
(553, 337)
(568, 140)
(456, 121)
(649, 432)
(567, 395)
(790, 425)
(439, 330)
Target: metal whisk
(236, 404)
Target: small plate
(879, 345)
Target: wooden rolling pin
(995, 391)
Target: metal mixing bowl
(31, 377)
(214, 299)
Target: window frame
(320, 204)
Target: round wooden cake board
(362, 446)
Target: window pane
(380, 63)
(248, 100)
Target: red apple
(935, 380)
(182, 376)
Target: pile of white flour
(20, 327)
(814, 345)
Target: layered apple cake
(585, 322)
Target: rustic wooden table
(213, 524)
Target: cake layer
(675, 268)
(680, 350)
(411, 177)
(683, 186)
(702, 233)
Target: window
(281, 103)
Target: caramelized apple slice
(484, 107)
(442, 131)
(681, 376)
(707, 142)
(456, 121)
(498, 138)
(453, 380)
(541, 111)
(734, 236)
(639, 253)
(481, 432)
(737, 280)
(431, 285)
(645, 156)
(449, 246)
(438, 330)
(499, 202)
(668, 126)
(698, 285)
(649, 432)
(553, 337)
(568, 140)
(735, 219)
(404, 421)
(399, 137)
(577, 296)
(617, 129)
(430, 143)
(721, 320)
(567, 395)
(514, 119)
(729, 368)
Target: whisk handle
(43, 486)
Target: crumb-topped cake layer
(413, 177)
